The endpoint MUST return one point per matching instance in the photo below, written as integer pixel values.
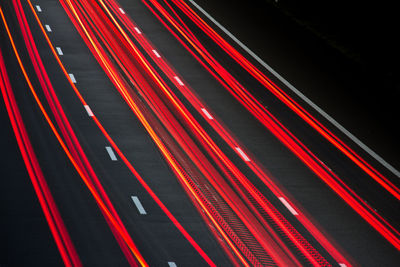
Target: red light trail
(272, 123)
(50, 210)
(245, 223)
(115, 49)
(129, 248)
(119, 152)
(287, 100)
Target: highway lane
(159, 239)
(108, 106)
(84, 220)
(310, 191)
(136, 144)
(216, 177)
(345, 82)
(342, 166)
(301, 132)
(368, 191)
(26, 238)
(322, 73)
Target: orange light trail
(117, 226)
(124, 93)
(50, 210)
(119, 152)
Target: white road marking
(288, 206)
(300, 94)
(178, 80)
(38, 8)
(342, 265)
(72, 77)
(59, 51)
(89, 111)
(172, 264)
(111, 153)
(207, 114)
(156, 53)
(122, 11)
(138, 205)
(242, 154)
(137, 30)
(48, 28)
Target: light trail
(182, 83)
(120, 154)
(290, 102)
(140, 115)
(270, 122)
(163, 66)
(171, 160)
(194, 100)
(129, 248)
(50, 210)
(117, 53)
(221, 130)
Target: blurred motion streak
(275, 126)
(46, 201)
(102, 33)
(76, 155)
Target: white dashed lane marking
(72, 77)
(59, 51)
(138, 205)
(156, 53)
(89, 111)
(242, 154)
(288, 206)
(111, 153)
(178, 80)
(48, 28)
(208, 115)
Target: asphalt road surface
(163, 159)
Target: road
(165, 145)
